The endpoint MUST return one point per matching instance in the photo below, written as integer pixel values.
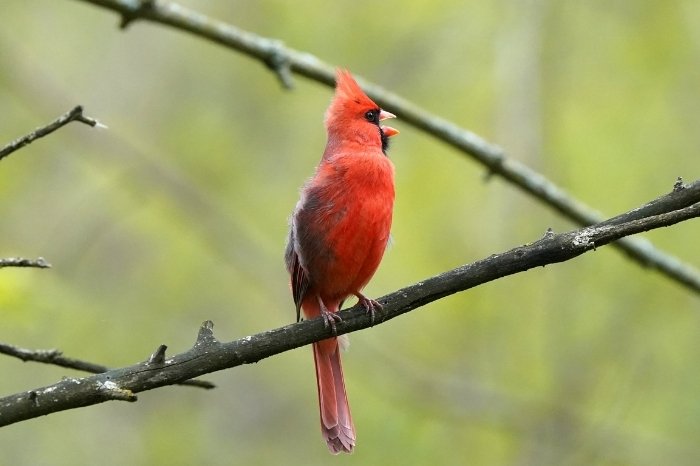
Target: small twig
(278, 62)
(158, 356)
(142, 8)
(55, 357)
(39, 262)
(206, 336)
(74, 115)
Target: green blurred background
(178, 213)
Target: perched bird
(338, 233)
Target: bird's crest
(349, 100)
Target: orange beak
(388, 130)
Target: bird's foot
(329, 318)
(370, 305)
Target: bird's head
(352, 117)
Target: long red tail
(336, 423)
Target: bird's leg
(329, 318)
(370, 305)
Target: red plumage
(338, 233)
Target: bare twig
(76, 114)
(209, 355)
(39, 262)
(284, 60)
(55, 357)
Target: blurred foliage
(177, 214)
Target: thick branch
(39, 262)
(55, 357)
(209, 355)
(283, 60)
(73, 115)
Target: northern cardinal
(338, 233)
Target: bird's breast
(346, 220)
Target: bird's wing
(298, 277)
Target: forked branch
(76, 114)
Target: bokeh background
(178, 213)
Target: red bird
(338, 233)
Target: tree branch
(73, 115)
(209, 355)
(39, 262)
(283, 61)
(55, 357)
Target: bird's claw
(329, 319)
(370, 305)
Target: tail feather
(336, 422)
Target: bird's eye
(372, 116)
